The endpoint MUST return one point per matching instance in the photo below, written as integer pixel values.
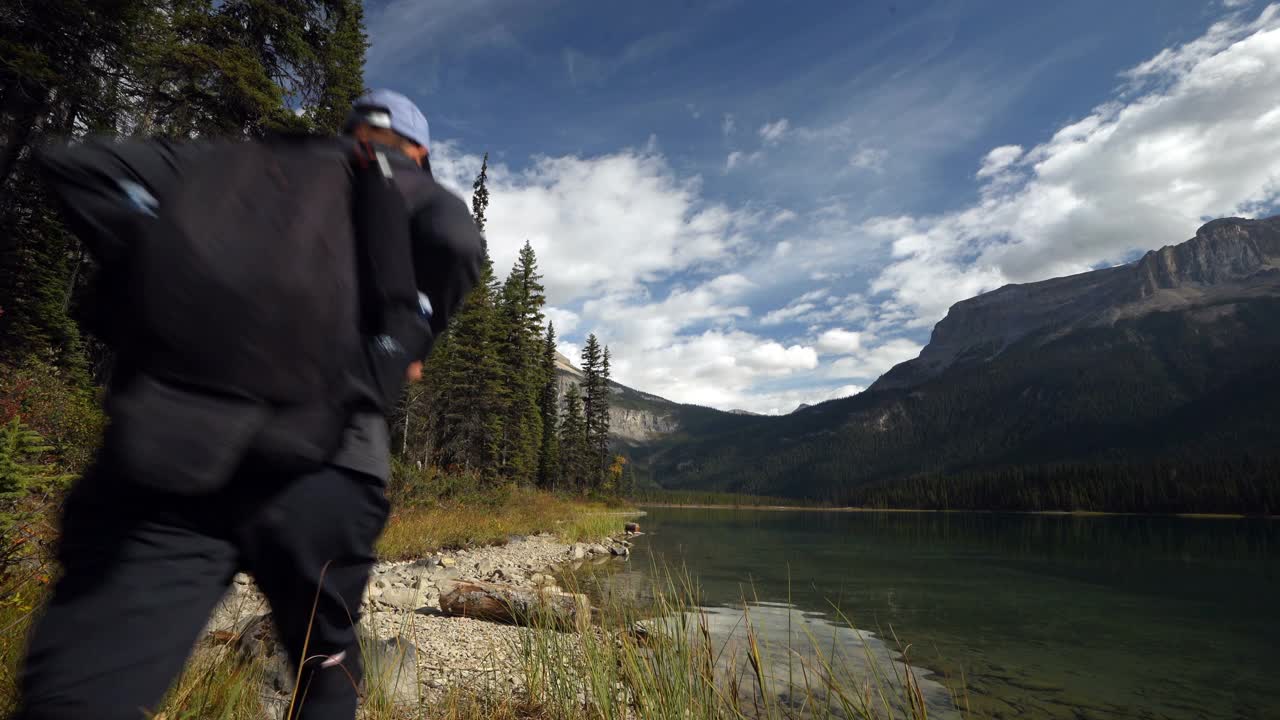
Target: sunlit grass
(490, 520)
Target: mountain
(638, 419)
(1151, 385)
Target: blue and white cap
(393, 111)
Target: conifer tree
(520, 355)
(574, 453)
(595, 407)
(549, 409)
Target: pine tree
(520, 355)
(470, 395)
(549, 409)
(595, 406)
(574, 453)
(480, 200)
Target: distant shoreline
(1072, 513)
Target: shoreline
(400, 608)
(850, 509)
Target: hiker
(266, 300)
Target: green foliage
(595, 409)
(549, 411)
(575, 453)
(170, 67)
(520, 318)
(23, 469)
(58, 407)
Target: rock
(448, 562)
(242, 579)
(438, 683)
(620, 550)
(598, 549)
(578, 551)
(391, 669)
(485, 568)
(401, 598)
(444, 574)
(540, 579)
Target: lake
(1017, 615)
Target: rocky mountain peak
(1227, 258)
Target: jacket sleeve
(447, 251)
(104, 189)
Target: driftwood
(543, 607)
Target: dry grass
(492, 519)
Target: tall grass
(661, 659)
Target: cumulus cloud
(1187, 138)
(839, 341)
(999, 159)
(870, 159)
(782, 402)
(738, 158)
(565, 321)
(772, 132)
(583, 215)
(872, 362)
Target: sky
(757, 205)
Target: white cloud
(612, 221)
(999, 159)
(565, 321)
(728, 125)
(1235, 3)
(782, 402)
(738, 158)
(838, 341)
(1184, 140)
(870, 159)
(783, 216)
(874, 361)
(772, 132)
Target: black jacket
(97, 182)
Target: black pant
(143, 570)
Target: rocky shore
(416, 651)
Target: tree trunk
(518, 606)
(21, 138)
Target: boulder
(578, 551)
(401, 598)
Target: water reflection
(1022, 616)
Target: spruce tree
(595, 407)
(549, 409)
(520, 354)
(470, 394)
(574, 453)
(480, 200)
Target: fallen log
(540, 607)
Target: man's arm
(447, 253)
(105, 188)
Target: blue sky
(757, 204)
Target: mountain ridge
(1104, 377)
